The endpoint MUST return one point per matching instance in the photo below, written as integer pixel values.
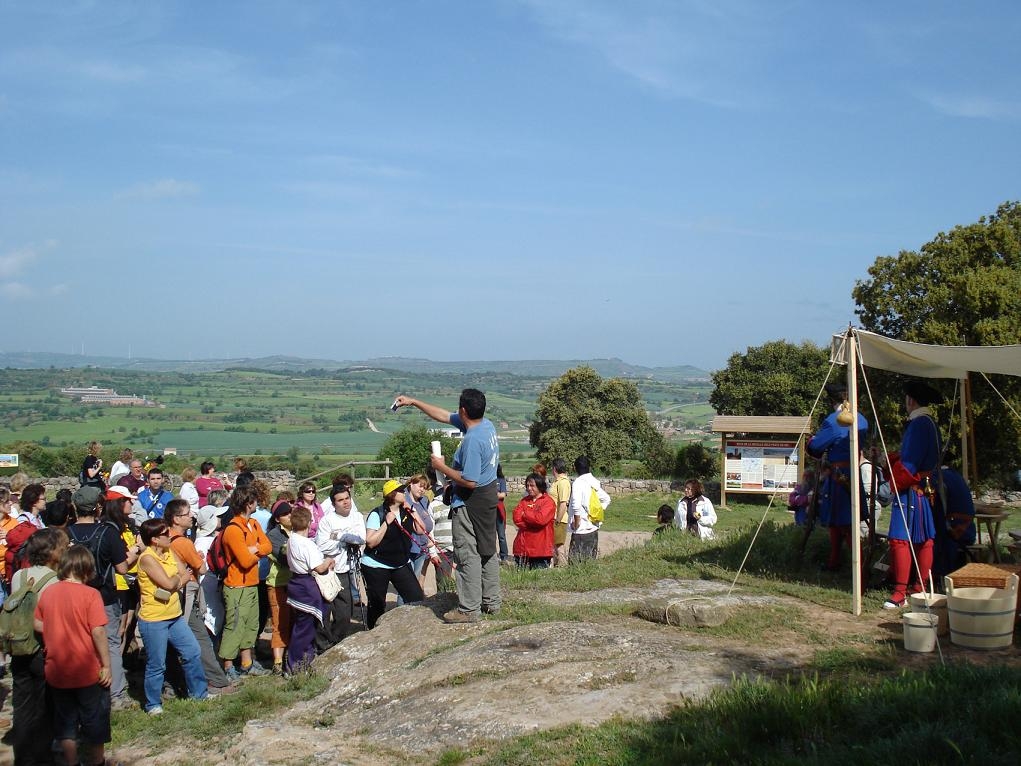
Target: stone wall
(278, 480)
(516, 486)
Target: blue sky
(664, 182)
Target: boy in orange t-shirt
(71, 618)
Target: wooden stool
(978, 552)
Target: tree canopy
(409, 449)
(776, 378)
(580, 413)
(962, 288)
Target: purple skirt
(304, 595)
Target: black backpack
(93, 543)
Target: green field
(247, 412)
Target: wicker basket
(983, 575)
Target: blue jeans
(156, 636)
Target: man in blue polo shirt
(153, 499)
(473, 507)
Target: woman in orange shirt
(8, 521)
(244, 544)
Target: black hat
(922, 393)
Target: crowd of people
(195, 577)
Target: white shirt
(327, 505)
(302, 554)
(581, 488)
(336, 532)
(189, 493)
(118, 471)
(210, 584)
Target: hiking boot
(255, 669)
(123, 702)
(494, 610)
(232, 674)
(457, 617)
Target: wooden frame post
(854, 468)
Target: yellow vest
(150, 609)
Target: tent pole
(969, 462)
(852, 393)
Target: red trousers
(903, 573)
(838, 536)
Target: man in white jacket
(584, 532)
(342, 527)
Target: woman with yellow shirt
(160, 617)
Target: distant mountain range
(543, 368)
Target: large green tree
(962, 288)
(580, 413)
(776, 378)
(409, 449)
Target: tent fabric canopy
(926, 361)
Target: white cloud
(164, 188)
(12, 263)
(16, 291)
(972, 106)
(696, 50)
(358, 166)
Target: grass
(933, 717)
(214, 721)
(773, 565)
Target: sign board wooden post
(755, 465)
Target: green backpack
(17, 618)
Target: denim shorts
(87, 707)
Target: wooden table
(992, 519)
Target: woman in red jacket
(533, 547)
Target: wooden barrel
(982, 618)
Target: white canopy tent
(918, 360)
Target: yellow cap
(390, 486)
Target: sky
(663, 182)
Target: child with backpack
(31, 728)
(72, 620)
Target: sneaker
(232, 674)
(255, 669)
(457, 617)
(278, 668)
(893, 605)
(154, 711)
